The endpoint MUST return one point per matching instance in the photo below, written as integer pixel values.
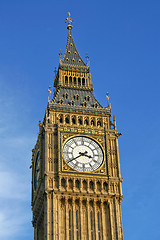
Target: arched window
(91, 185)
(61, 101)
(86, 122)
(87, 98)
(70, 183)
(99, 124)
(95, 105)
(63, 182)
(77, 184)
(84, 104)
(80, 121)
(66, 95)
(73, 120)
(84, 185)
(75, 81)
(66, 80)
(79, 82)
(70, 80)
(72, 103)
(76, 97)
(83, 81)
(61, 119)
(99, 186)
(92, 123)
(105, 186)
(67, 119)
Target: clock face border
(99, 139)
(83, 154)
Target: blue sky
(122, 39)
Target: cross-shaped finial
(107, 97)
(70, 21)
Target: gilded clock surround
(68, 204)
(66, 168)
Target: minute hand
(74, 158)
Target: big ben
(76, 179)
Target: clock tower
(76, 179)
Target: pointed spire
(71, 57)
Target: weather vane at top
(70, 21)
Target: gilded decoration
(66, 168)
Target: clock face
(37, 171)
(83, 154)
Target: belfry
(76, 179)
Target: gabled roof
(71, 57)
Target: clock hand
(74, 158)
(89, 156)
(82, 154)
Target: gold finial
(70, 21)
(49, 91)
(108, 97)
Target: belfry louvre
(76, 179)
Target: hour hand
(83, 154)
(89, 156)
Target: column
(67, 219)
(54, 216)
(95, 224)
(81, 220)
(111, 211)
(73, 218)
(88, 221)
(118, 219)
(103, 223)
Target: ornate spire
(71, 57)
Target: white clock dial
(83, 154)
